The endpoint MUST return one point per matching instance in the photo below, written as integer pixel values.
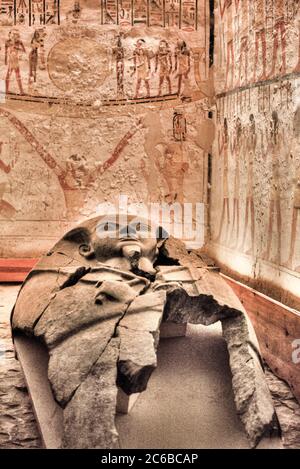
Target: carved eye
(107, 226)
(142, 228)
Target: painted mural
(97, 98)
(255, 226)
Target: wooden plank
(277, 326)
(15, 270)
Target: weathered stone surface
(145, 312)
(174, 250)
(201, 309)
(139, 334)
(216, 301)
(80, 306)
(71, 361)
(137, 360)
(287, 409)
(89, 419)
(251, 394)
(42, 284)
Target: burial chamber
(87, 324)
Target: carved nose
(132, 252)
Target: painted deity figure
(296, 16)
(33, 56)
(182, 63)
(279, 37)
(142, 67)
(118, 54)
(259, 27)
(237, 149)
(275, 149)
(223, 149)
(173, 169)
(242, 10)
(6, 209)
(250, 209)
(296, 195)
(13, 47)
(226, 14)
(163, 64)
(77, 173)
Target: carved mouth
(129, 240)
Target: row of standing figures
(166, 64)
(259, 57)
(14, 47)
(247, 142)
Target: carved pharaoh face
(116, 238)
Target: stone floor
(188, 403)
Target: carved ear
(81, 236)
(86, 250)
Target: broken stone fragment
(71, 360)
(206, 301)
(251, 394)
(89, 418)
(174, 250)
(139, 333)
(81, 305)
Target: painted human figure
(259, 27)
(182, 63)
(279, 33)
(237, 150)
(142, 67)
(243, 13)
(77, 173)
(173, 169)
(6, 209)
(33, 56)
(118, 54)
(179, 126)
(226, 14)
(275, 149)
(296, 199)
(251, 148)
(296, 15)
(223, 148)
(13, 47)
(163, 63)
